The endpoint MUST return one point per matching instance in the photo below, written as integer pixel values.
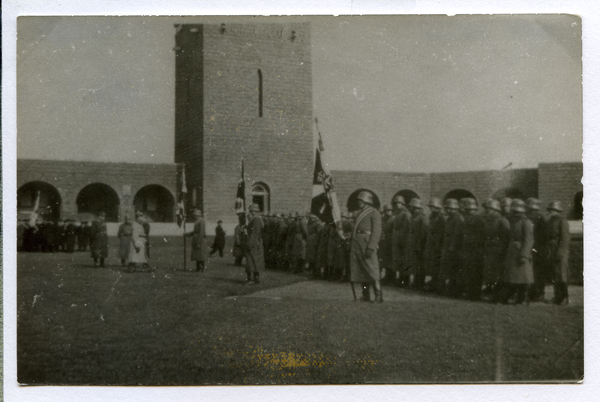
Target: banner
(240, 197)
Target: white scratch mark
(35, 297)
(113, 288)
(101, 317)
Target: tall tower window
(260, 94)
(261, 196)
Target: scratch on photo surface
(35, 297)
(113, 288)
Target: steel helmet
(469, 203)
(366, 197)
(487, 202)
(254, 208)
(416, 203)
(451, 203)
(506, 202)
(435, 203)
(387, 207)
(533, 203)
(493, 204)
(517, 205)
(399, 199)
(555, 205)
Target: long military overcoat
(497, 234)
(435, 240)
(99, 240)
(255, 254)
(415, 244)
(518, 269)
(399, 237)
(557, 243)
(449, 265)
(365, 235)
(199, 243)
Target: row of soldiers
(52, 236)
(507, 253)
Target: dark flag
(181, 204)
(322, 186)
(240, 197)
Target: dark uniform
(400, 229)
(416, 240)
(497, 233)
(433, 248)
(558, 239)
(471, 253)
(537, 290)
(99, 241)
(255, 260)
(449, 265)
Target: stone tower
(244, 91)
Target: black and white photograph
(218, 200)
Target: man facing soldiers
(471, 251)
(399, 237)
(299, 244)
(449, 266)
(99, 240)
(199, 245)
(255, 261)
(557, 243)
(497, 234)
(518, 275)
(364, 264)
(385, 244)
(537, 290)
(433, 247)
(417, 236)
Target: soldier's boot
(366, 295)
(101, 262)
(561, 291)
(378, 296)
(249, 280)
(523, 295)
(256, 280)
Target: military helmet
(506, 202)
(196, 212)
(366, 197)
(517, 205)
(469, 203)
(555, 205)
(387, 207)
(487, 202)
(435, 203)
(533, 203)
(416, 203)
(493, 204)
(254, 208)
(399, 199)
(451, 203)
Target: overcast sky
(399, 93)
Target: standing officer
(417, 237)
(518, 275)
(471, 250)
(400, 230)
(433, 247)
(364, 265)
(219, 242)
(385, 244)
(255, 260)
(289, 241)
(536, 292)
(199, 245)
(99, 240)
(558, 239)
(449, 266)
(497, 234)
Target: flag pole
(183, 194)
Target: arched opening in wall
(509, 192)
(261, 196)
(352, 203)
(408, 195)
(156, 202)
(459, 194)
(99, 197)
(578, 205)
(45, 195)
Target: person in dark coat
(471, 254)
(255, 260)
(239, 240)
(557, 238)
(364, 264)
(497, 234)
(537, 289)
(199, 245)
(99, 240)
(417, 238)
(385, 244)
(300, 238)
(124, 234)
(433, 247)
(400, 228)
(83, 241)
(505, 204)
(219, 242)
(518, 273)
(449, 265)
(71, 235)
(312, 245)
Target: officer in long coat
(385, 244)
(417, 237)
(449, 265)
(558, 239)
(255, 260)
(400, 230)
(199, 244)
(124, 234)
(518, 274)
(364, 265)
(537, 289)
(99, 240)
(497, 234)
(239, 240)
(471, 253)
(435, 239)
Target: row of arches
(154, 200)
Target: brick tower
(244, 91)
